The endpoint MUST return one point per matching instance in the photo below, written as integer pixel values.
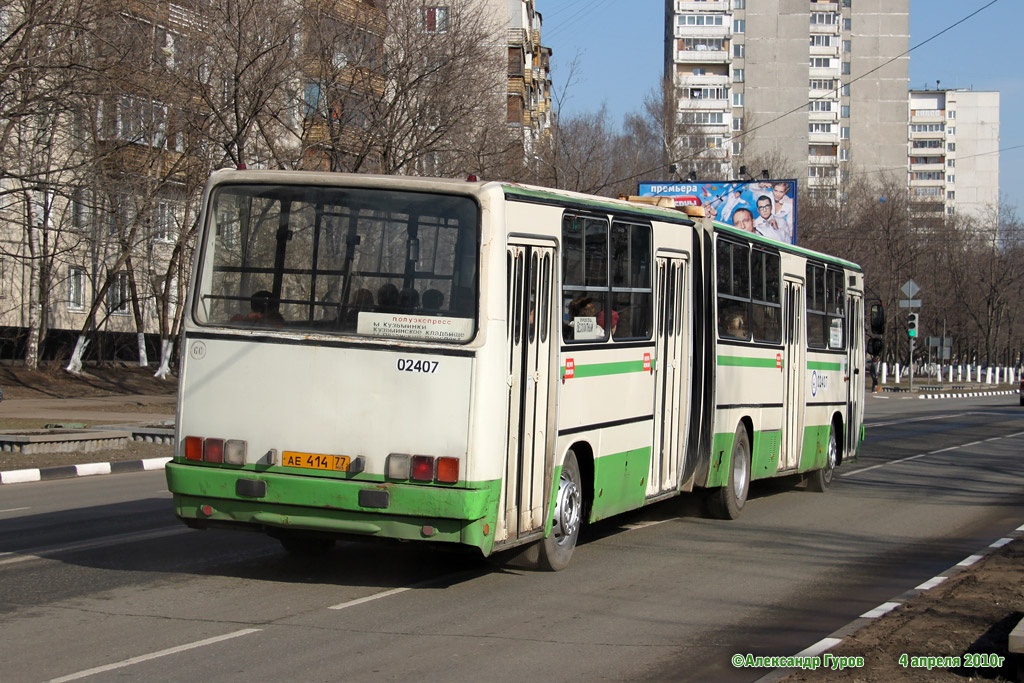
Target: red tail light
(193, 448)
(214, 450)
(422, 468)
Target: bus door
(855, 369)
(529, 335)
(672, 370)
(794, 391)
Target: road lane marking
(15, 556)
(448, 578)
(1001, 542)
(853, 473)
(913, 419)
(968, 561)
(14, 509)
(162, 653)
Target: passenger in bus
(261, 311)
(408, 299)
(462, 301)
(615, 321)
(433, 300)
(362, 300)
(387, 298)
(743, 219)
(734, 325)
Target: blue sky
(618, 49)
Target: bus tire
(556, 550)
(726, 502)
(820, 480)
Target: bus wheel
(556, 549)
(819, 480)
(726, 502)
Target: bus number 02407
(409, 365)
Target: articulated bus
(494, 365)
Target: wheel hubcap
(739, 481)
(830, 462)
(567, 510)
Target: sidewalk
(148, 418)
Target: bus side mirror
(875, 346)
(877, 319)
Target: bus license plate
(315, 461)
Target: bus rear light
(448, 470)
(234, 452)
(422, 468)
(398, 466)
(213, 450)
(193, 448)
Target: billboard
(765, 207)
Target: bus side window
(733, 278)
(816, 305)
(585, 272)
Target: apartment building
(529, 75)
(819, 87)
(953, 149)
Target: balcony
(697, 104)
(702, 56)
(825, 51)
(928, 183)
(825, 29)
(824, 138)
(823, 116)
(708, 6)
(693, 80)
(930, 116)
(824, 71)
(724, 32)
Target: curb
(89, 469)
(835, 638)
(1008, 392)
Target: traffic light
(912, 324)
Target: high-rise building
(816, 88)
(954, 152)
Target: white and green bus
(494, 365)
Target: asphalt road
(98, 580)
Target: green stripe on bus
(747, 362)
(602, 369)
(819, 365)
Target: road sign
(910, 303)
(910, 288)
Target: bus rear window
(374, 263)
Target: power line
(570, 20)
(832, 92)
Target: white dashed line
(931, 583)
(968, 561)
(154, 655)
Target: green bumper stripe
(335, 494)
(817, 365)
(601, 369)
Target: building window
(821, 41)
(737, 123)
(737, 75)
(844, 154)
(739, 4)
(700, 19)
(737, 99)
(951, 146)
(739, 50)
(80, 210)
(951, 163)
(821, 84)
(950, 194)
(844, 133)
(435, 19)
(739, 25)
(846, 68)
(819, 128)
(846, 90)
(823, 18)
(118, 294)
(951, 130)
(76, 288)
(844, 111)
(951, 179)
(821, 63)
(951, 114)
(819, 105)
(737, 147)
(163, 222)
(847, 25)
(846, 46)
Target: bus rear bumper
(208, 497)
